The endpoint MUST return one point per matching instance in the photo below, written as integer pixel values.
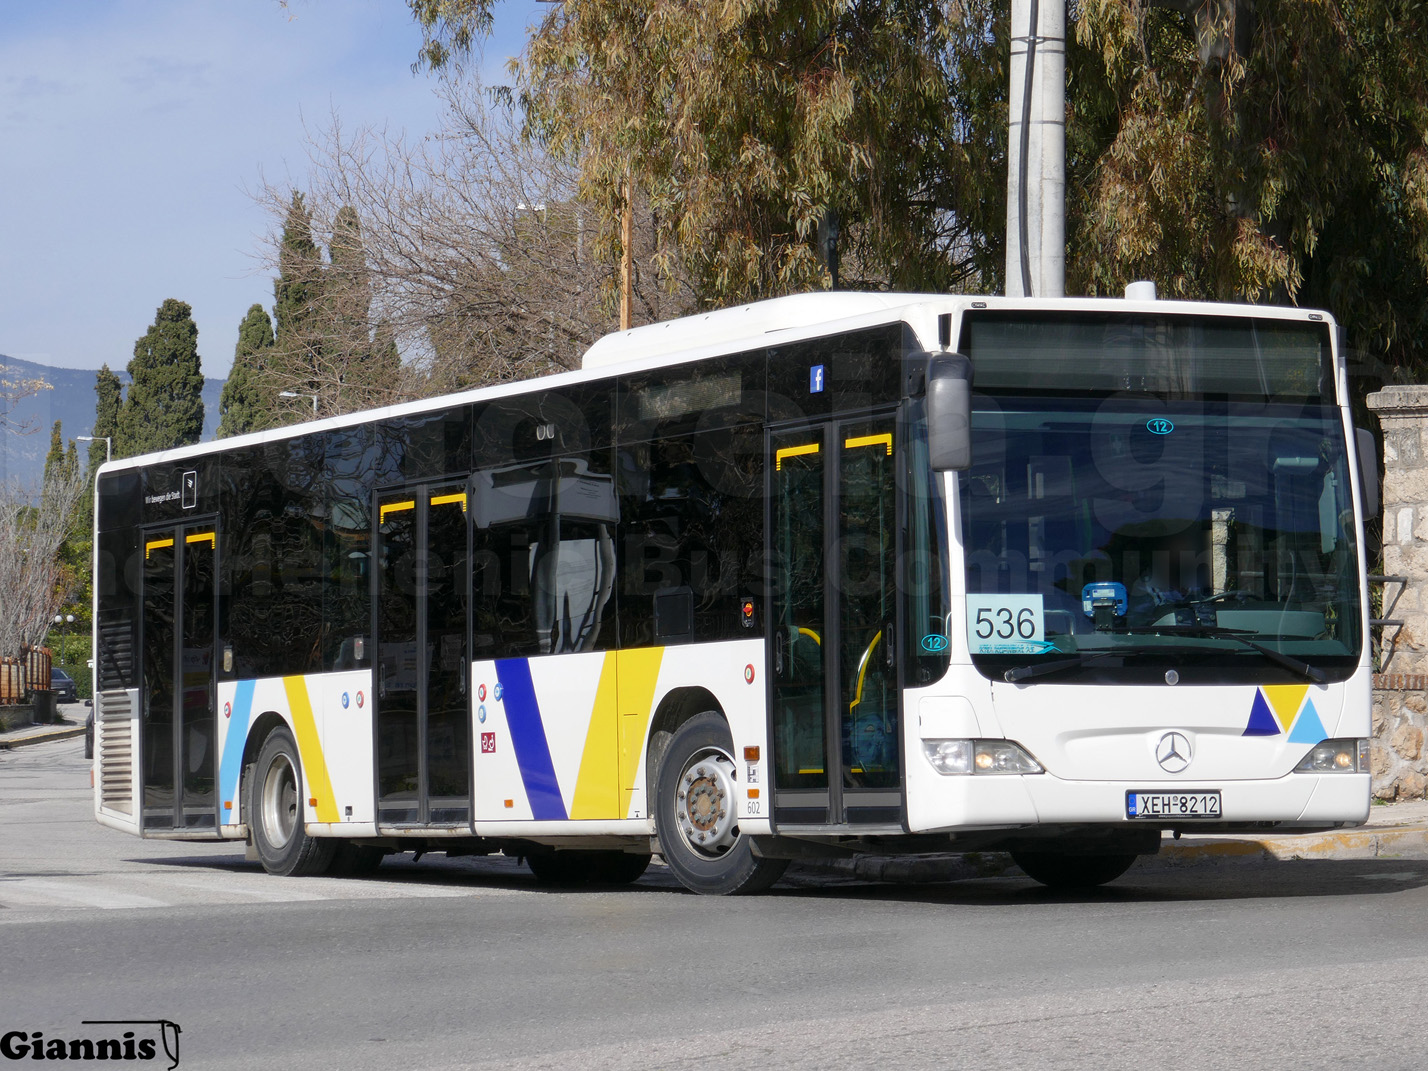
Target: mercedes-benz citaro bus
(821, 575)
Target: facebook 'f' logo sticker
(815, 379)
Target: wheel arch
(259, 730)
(676, 708)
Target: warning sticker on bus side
(1005, 624)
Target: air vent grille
(115, 746)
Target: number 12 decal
(1005, 624)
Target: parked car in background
(62, 684)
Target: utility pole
(627, 255)
(1036, 150)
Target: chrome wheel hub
(280, 802)
(704, 805)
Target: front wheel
(696, 807)
(275, 812)
(1061, 870)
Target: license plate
(1173, 805)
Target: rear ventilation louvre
(115, 665)
(115, 740)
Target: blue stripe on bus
(233, 740)
(528, 740)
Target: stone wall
(1400, 696)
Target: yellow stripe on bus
(885, 439)
(202, 537)
(597, 788)
(394, 507)
(158, 544)
(793, 451)
(314, 765)
(638, 675)
(446, 500)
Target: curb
(57, 733)
(1404, 842)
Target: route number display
(1005, 624)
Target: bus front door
(834, 710)
(423, 743)
(178, 728)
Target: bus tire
(275, 812)
(696, 794)
(1061, 870)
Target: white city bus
(821, 575)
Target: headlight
(1336, 756)
(951, 757)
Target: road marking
(162, 889)
(42, 892)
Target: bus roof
(719, 331)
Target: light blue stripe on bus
(233, 739)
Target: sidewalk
(73, 725)
(1394, 830)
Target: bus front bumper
(1297, 802)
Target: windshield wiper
(1076, 661)
(1279, 658)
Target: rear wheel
(275, 812)
(696, 808)
(1061, 870)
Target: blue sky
(133, 134)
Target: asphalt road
(468, 964)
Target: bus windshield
(1171, 494)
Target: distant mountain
(71, 401)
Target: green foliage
(452, 28)
(297, 301)
(1272, 151)
(109, 394)
(1228, 149)
(164, 407)
(744, 124)
(247, 400)
(54, 459)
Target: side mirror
(949, 412)
(1368, 470)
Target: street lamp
(295, 394)
(61, 622)
(108, 444)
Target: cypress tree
(297, 302)
(164, 408)
(109, 393)
(54, 460)
(247, 401)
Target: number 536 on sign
(1004, 624)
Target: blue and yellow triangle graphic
(1261, 720)
(1308, 729)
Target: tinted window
(544, 518)
(273, 525)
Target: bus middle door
(832, 549)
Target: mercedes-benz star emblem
(1173, 752)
